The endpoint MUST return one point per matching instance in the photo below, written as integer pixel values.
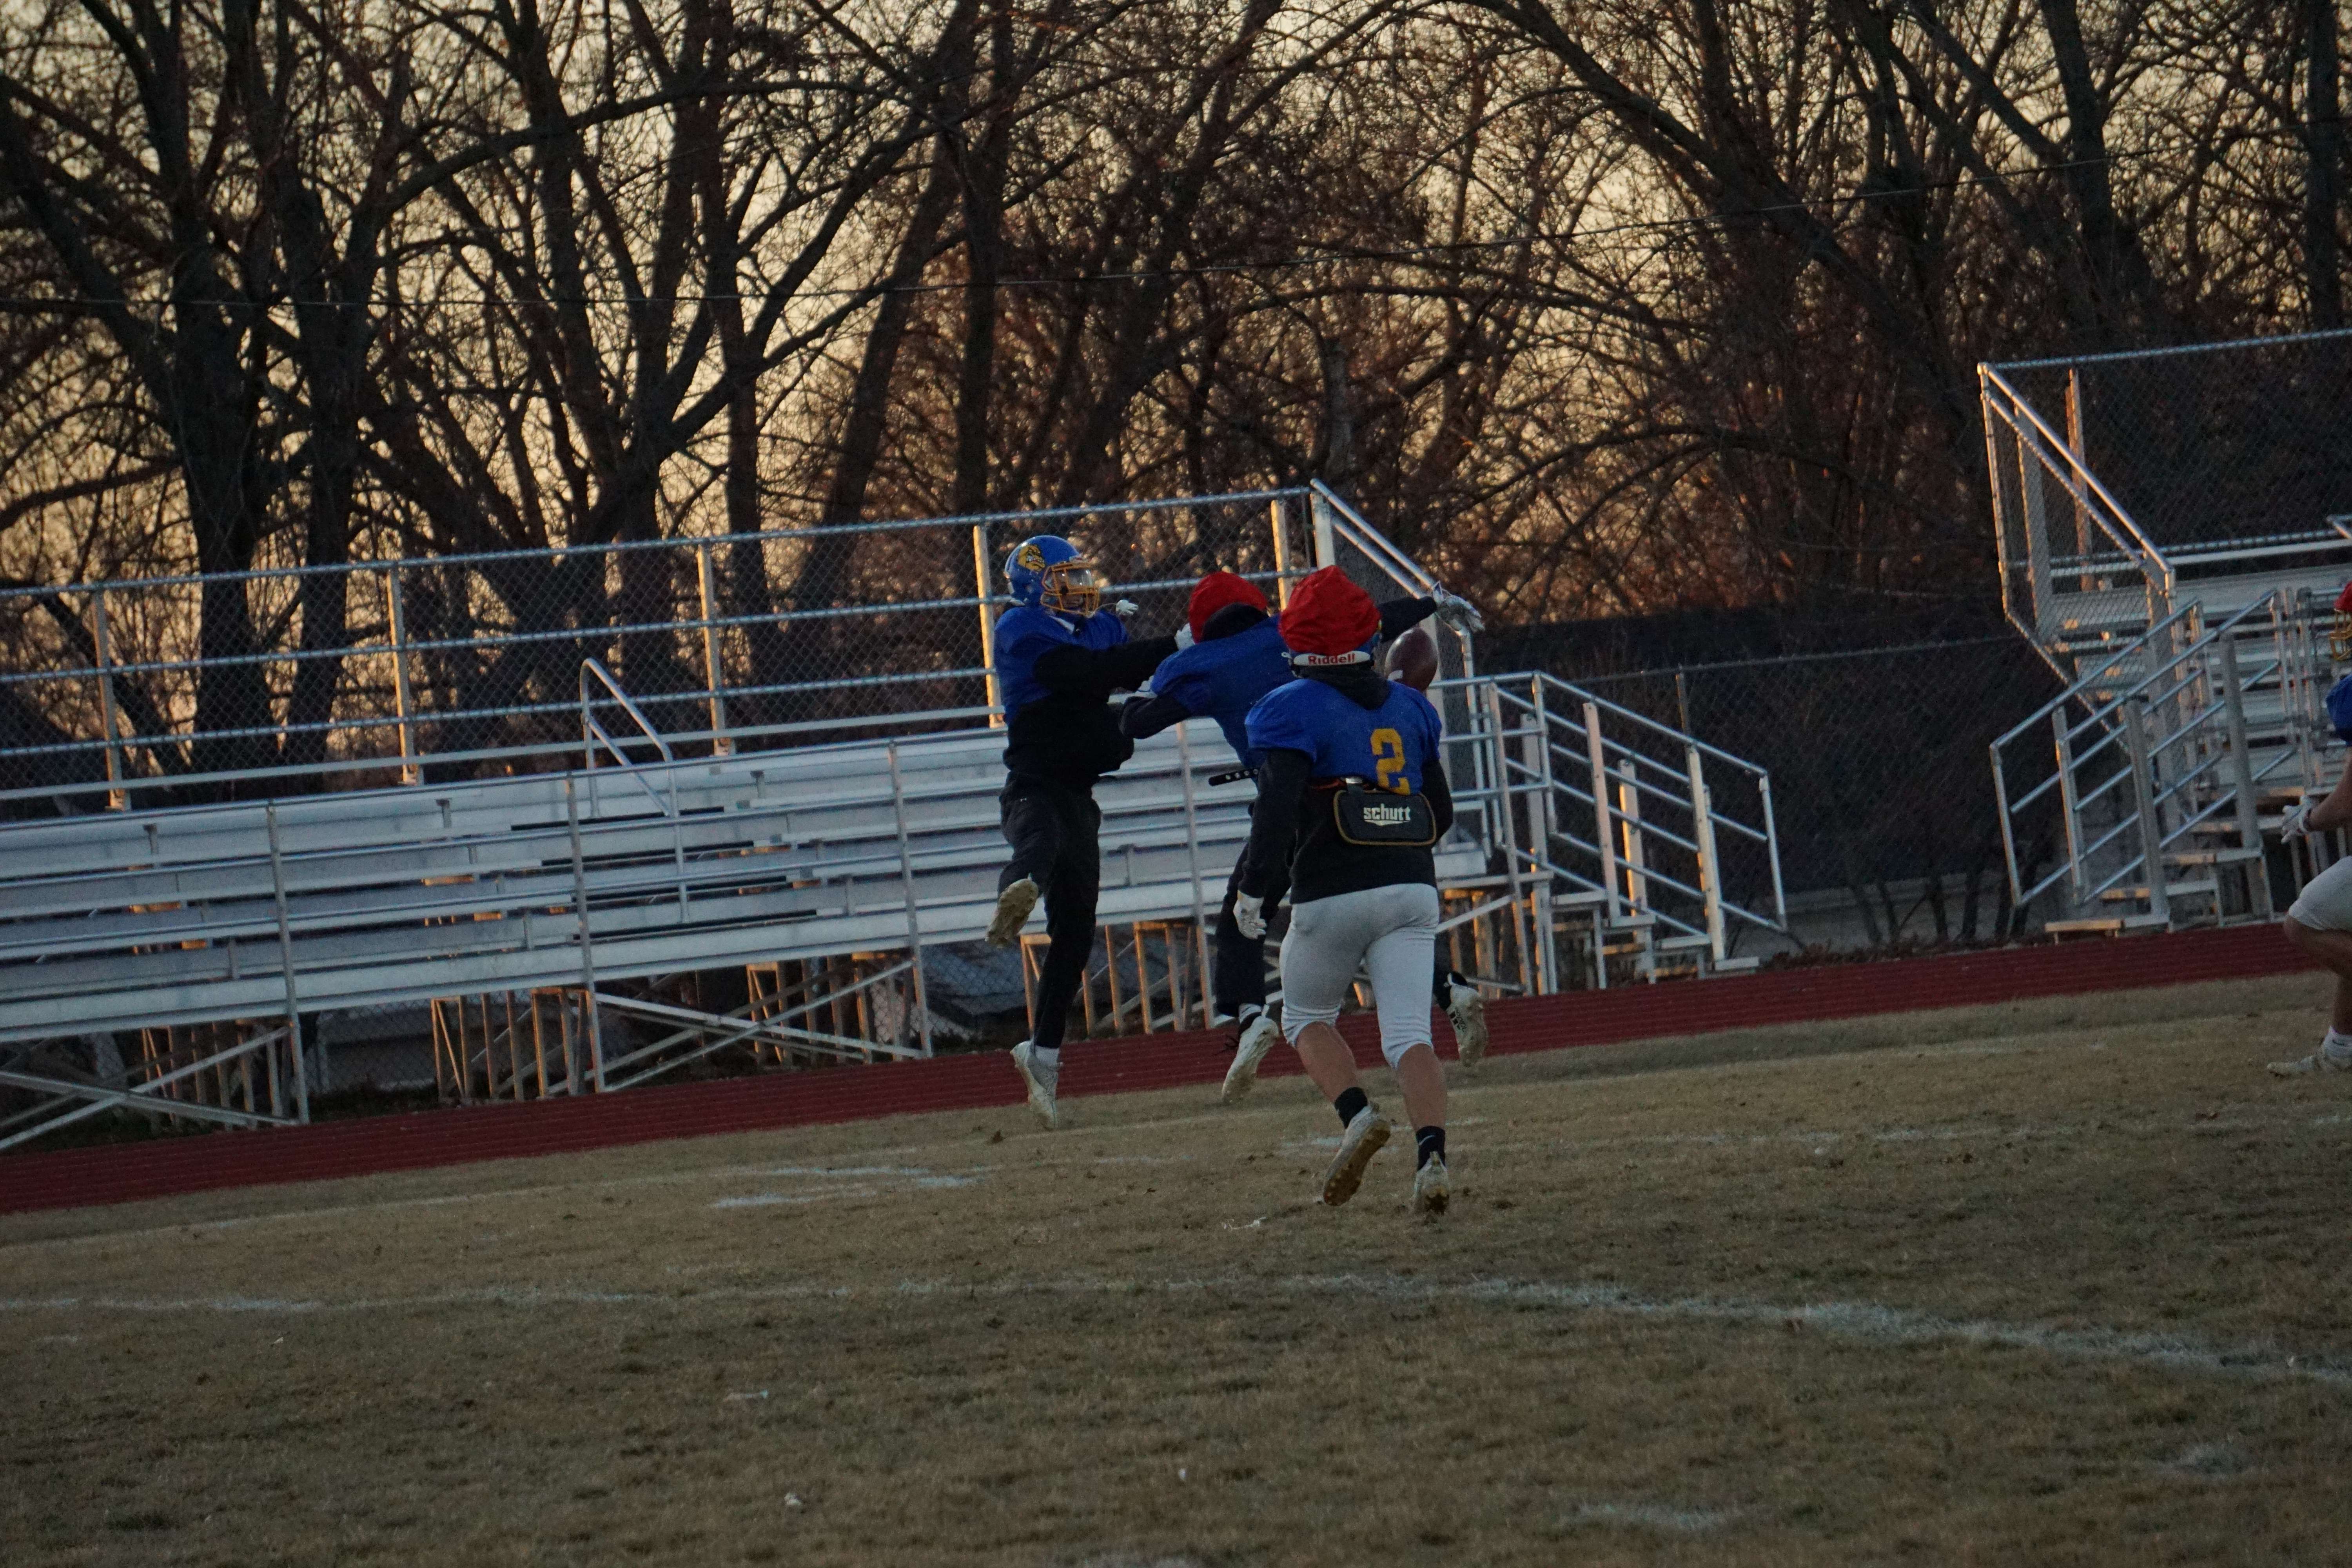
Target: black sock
(1349, 1102)
(1432, 1141)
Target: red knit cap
(1328, 616)
(1214, 593)
(2344, 600)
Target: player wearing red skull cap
(1352, 795)
(1235, 659)
(2320, 923)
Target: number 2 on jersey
(1388, 761)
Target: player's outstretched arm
(1145, 716)
(1401, 615)
(1099, 671)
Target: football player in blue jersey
(2319, 925)
(1237, 657)
(1352, 797)
(1059, 659)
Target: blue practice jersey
(1223, 680)
(2339, 707)
(1391, 746)
(1025, 633)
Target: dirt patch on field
(2055, 1281)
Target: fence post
(1318, 511)
(2241, 778)
(1192, 856)
(588, 1019)
(404, 702)
(286, 964)
(2074, 444)
(102, 645)
(2151, 833)
(714, 669)
(1604, 824)
(1509, 831)
(906, 880)
(980, 577)
(2037, 529)
(1772, 851)
(1637, 854)
(1710, 868)
(1540, 821)
(1282, 552)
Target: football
(1412, 659)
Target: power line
(1336, 255)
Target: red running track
(122, 1172)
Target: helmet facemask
(1070, 589)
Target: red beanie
(2344, 600)
(1214, 593)
(1328, 616)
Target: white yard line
(1863, 1323)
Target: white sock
(1050, 1057)
(2337, 1044)
(1250, 1010)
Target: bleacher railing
(2120, 480)
(2141, 769)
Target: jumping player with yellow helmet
(1059, 659)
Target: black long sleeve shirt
(1071, 736)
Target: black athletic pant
(1055, 833)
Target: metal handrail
(2084, 479)
(2040, 715)
(1372, 541)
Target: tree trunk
(2322, 181)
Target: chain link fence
(2219, 444)
(174, 690)
(1878, 762)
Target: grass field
(2059, 1281)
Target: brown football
(1412, 659)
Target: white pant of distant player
(1391, 932)
(2326, 901)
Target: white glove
(1184, 637)
(2296, 824)
(1456, 611)
(1125, 608)
(1249, 914)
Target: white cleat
(1013, 907)
(1466, 1006)
(1365, 1137)
(1430, 1187)
(2317, 1061)
(1256, 1041)
(1041, 1080)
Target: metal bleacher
(2174, 526)
(600, 867)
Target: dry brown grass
(1696, 1303)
